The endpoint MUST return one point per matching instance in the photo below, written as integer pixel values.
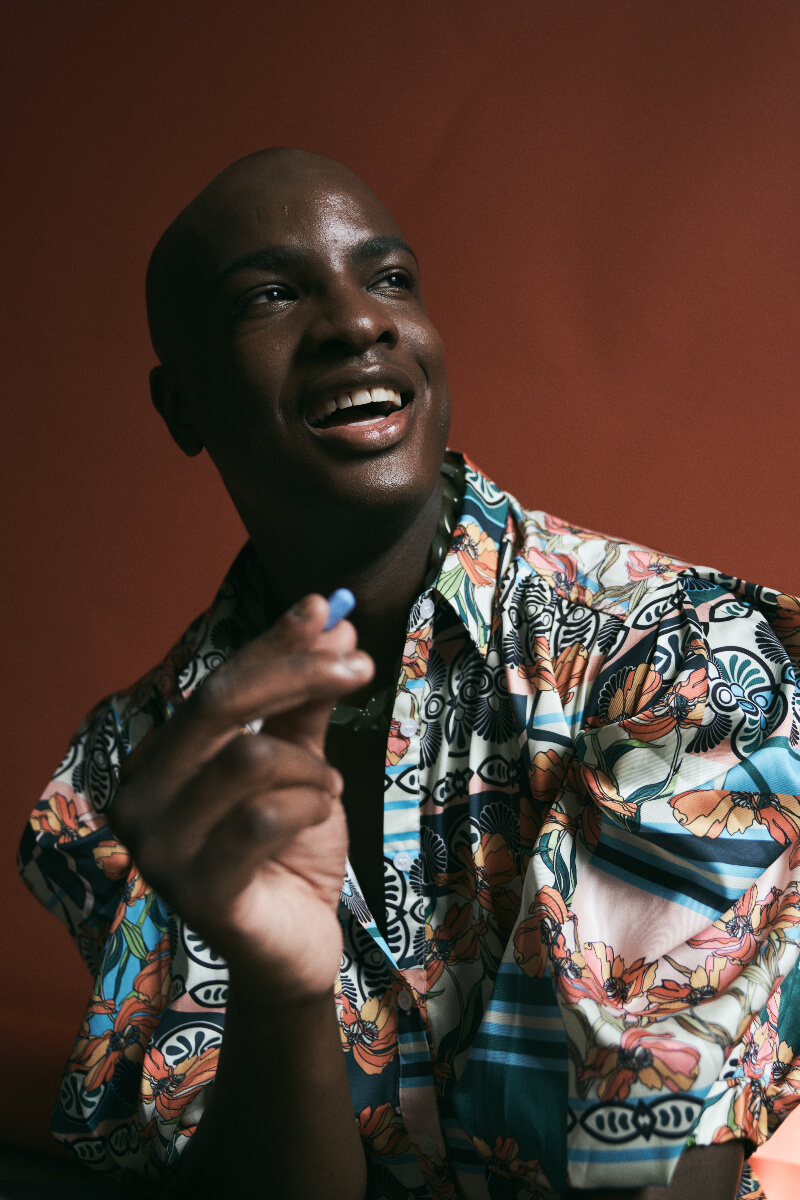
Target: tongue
(359, 412)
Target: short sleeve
(134, 1085)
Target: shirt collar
(482, 546)
(478, 554)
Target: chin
(387, 483)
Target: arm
(277, 1071)
(245, 838)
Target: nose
(348, 319)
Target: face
(315, 377)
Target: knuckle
(248, 755)
(319, 806)
(257, 820)
(213, 697)
(284, 635)
(331, 780)
(320, 809)
(266, 750)
(318, 773)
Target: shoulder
(609, 574)
(591, 569)
(621, 578)
(633, 584)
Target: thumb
(307, 726)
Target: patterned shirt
(591, 841)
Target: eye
(266, 295)
(271, 294)
(396, 280)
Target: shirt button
(403, 860)
(426, 608)
(428, 1145)
(405, 1000)
(408, 727)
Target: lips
(369, 424)
(356, 407)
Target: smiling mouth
(363, 406)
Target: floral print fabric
(591, 860)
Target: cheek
(433, 360)
(431, 350)
(422, 342)
(255, 370)
(240, 394)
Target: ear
(170, 404)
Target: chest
(360, 758)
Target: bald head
(187, 256)
(284, 284)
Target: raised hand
(244, 835)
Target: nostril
(355, 322)
(337, 348)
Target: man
(564, 944)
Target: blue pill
(340, 604)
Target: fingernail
(299, 611)
(351, 665)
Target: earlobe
(169, 403)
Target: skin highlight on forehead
(186, 256)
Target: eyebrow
(376, 247)
(272, 258)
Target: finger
(302, 626)
(251, 834)
(272, 688)
(246, 768)
(216, 712)
(278, 672)
(307, 725)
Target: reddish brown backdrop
(604, 197)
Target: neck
(380, 555)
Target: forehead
(319, 212)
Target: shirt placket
(401, 846)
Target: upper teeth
(377, 395)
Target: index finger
(291, 665)
(340, 604)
